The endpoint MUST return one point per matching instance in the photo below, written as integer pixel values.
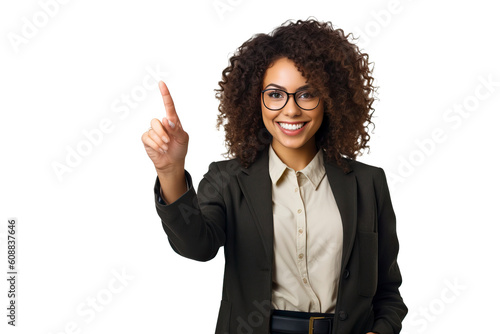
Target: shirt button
(301, 230)
(301, 256)
(296, 189)
(304, 280)
(299, 210)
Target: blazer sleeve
(195, 222)
(388, 305)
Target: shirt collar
(314, 171)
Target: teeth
(288, 126)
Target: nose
(291, 109)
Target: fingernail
(172, 125)
(164, 147)
(165, 139)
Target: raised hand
(166, 142)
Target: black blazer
(233, 208)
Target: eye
(275, 94)
(306, 95)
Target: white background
(73, 69)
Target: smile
(291, 127)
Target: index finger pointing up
(168, 102)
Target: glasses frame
(287, 98)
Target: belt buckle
(311, 323)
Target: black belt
(292, 322)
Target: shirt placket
(301, 237)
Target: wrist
(173, 169)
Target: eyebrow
(283, 88)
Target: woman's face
(292, 127)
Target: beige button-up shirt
(307, 237)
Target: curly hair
(330, 63)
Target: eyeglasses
(276, 99)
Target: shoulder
(228, 167)
(366, 173)
(371, 177)
(234, 167)
(222, 173)
(364, 168)
(360, 168)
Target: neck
(296, 158)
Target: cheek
(321, 118)
(318, 120)
(268, 115)
(321, 115)
(268, 123)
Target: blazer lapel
(255, 183)
(344, 188)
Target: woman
(309, 233)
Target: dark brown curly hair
(329, 62)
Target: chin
(292, 144)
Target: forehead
(284, 72)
